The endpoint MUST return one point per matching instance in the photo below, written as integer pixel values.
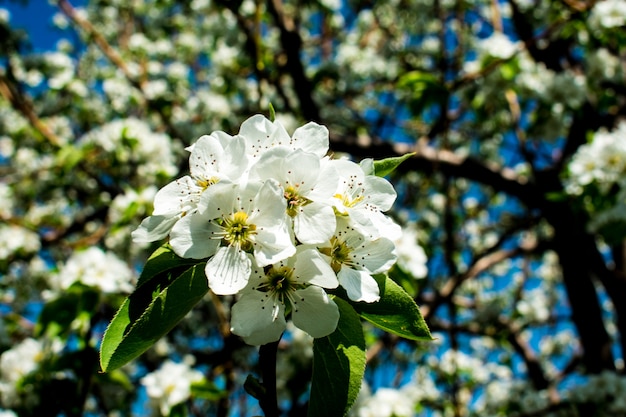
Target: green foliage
(63, 314)
(164, 295)
(386, 166)
(396, 312)
(338, 366)
(422, 89)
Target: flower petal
(154, 228)
(380, 192)
(312, 138)
(315, 223)
(177, 196)
(228, 270)
(314, 312)
(257, 319)
(191, 237)
(272, 245)
(311, 268)
(359, 285)
(376, 256)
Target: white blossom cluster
(601, 161)
(96, 268)
(15, 239)
(279, 222)
(396, 402)
(608, 14)
(132, 141)
(15, 364)
(170, 385)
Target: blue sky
(36, 18)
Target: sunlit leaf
(338, 366)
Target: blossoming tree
(170, 246)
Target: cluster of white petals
(279, 223)
(170, 385)
(95, 268)
(601, 161)
(15, 364)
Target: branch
(23, 105)
(292, 45)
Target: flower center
(238, 232)
(207, 182)
(294, 200)
(348, 200)
(281, 283)
(339, 253)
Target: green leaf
(58, 315)
(338, 366)
(161, 261)
(149, 313)
(208, 391)
(254, 387)
(272, 112)
(388, 165)
(395, 312)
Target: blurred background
(513, 207)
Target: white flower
(364, 198)
(498, 45)
(411, 256)
(308, 184)
(232, 223)
(170, 384)
(17, 239)
(608, 14)
(15, 364)
(355, 258)
(388, 402)
(262, 134)
(213, 158)
(95, 268)
(296, 285)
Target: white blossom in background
(411, 256)
(386, 402)
(15, 364)
(608, 14)
(16, 239)
(602, 161)
(498, 45)
(170, 385)
(96, 268)
(534, 306)
(132, 140)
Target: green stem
(267, 362)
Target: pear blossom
(15, 364)
(213, 158)
(308, 184)
(261, 134)
(233, 224)
(170, 384)
(355, 258)
(96, 268)
(364, 198)
(293, 285)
